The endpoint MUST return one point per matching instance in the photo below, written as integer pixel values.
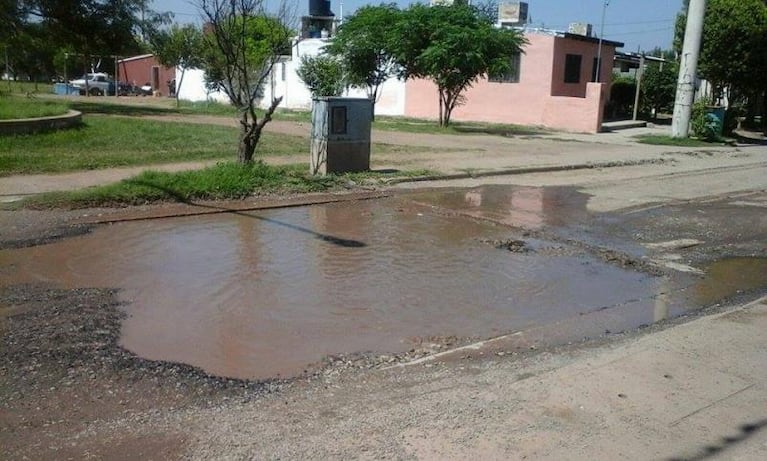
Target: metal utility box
(341, 135)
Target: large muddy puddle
(268, 293)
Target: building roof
(562, 34)
(136, 58)
(585, 38)
(635, 57)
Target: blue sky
(641, 24)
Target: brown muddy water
(267, 293)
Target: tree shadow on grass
(498, 130)
(119, 109)
(177, 196)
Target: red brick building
(144, 69)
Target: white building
(284, 81)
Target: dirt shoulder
(70, 391)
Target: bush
(704, 124)
(622, 95)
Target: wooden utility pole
(688, 69)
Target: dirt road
(689, 388)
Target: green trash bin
(715, 114)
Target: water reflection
(518, 206)
(245, 295)
(729, 277)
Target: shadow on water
(709, 451)
(182, 199)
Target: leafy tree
(659, 88)
(324, 75)
(179, 46)
(453, 47)
(11, 18)
(622, 95)
(361, 44)
(243, 42)
(734, 45)
(92, 29)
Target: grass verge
(220, 182)
(412, 125)
(661, 140)
(106, 142)
(14, 107)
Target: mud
(286, 293)
(63, 368)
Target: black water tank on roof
(320, 8)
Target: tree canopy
(179, 46)
(37, 33)
(453, 46)
(243, 41)
(734, 47)
(362, 45)
(323, 75)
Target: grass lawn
(12, 107)
(104, 142)
(660, 140)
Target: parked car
(98, 84)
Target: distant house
(145, 69)
(627, 64)
(553, 84)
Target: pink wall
(588, 51)
(540, 98)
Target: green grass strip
(662, 140)
(222, 181)
(16, 107)
(107, 142)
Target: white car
(99, 84)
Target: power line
(637, 32)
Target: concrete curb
(528, 170)
(39, 124)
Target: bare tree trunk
(250, 133)
(178, 87)
(764, 112)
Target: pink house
(553, 84)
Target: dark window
(573, 68)
(510, 76)
(338, 120)
(595, 70)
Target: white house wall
(285, 82)
(193, 87)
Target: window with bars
(573, 68)
(512, 75)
